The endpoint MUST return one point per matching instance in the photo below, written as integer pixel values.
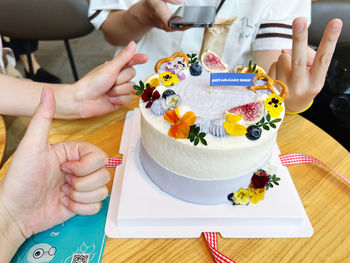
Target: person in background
(272, 33)
(101, 91)
(45, 184)
(40, 74)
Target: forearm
(122, 26)
(21, 97)
(265, 58)
(10, 235)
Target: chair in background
(45, 20)
(331, 109)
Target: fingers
(310, 55)
(90, 197)
(164, 13)
(79, 208)
(90, 160)
(284, 67)
(125, 75)
(137, 59)
(122, 59)
(123, 89)
(38, 129)
(89, 182)
(325, 52)
(121, 100)
(299, 51)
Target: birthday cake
(209, 144)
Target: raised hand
(104, 89)
(47, 184)
(304, 70)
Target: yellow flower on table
(256, 194)
(273, 105)
(232, 126)
(168, 79)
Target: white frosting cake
(224, 157)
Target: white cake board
(139, 209)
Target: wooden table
(325, 198)
(2, 139)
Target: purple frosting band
(204, 192)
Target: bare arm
(21, 97)
(101, 91)
(265, 58)
(122, 26)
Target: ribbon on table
(299, 158)
(211, 237)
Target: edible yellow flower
(241, 197)
(256, 194)
(273, 105)
(168, 79)
(232, 127)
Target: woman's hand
(45, 184)
(103, 90)
(302, 69)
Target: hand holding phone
(193, 16)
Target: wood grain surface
(2, 139)
(325, 198)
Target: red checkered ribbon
(113, 162)
(299, 158)
(211, 237)
(212, 240)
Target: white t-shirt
(260, 25)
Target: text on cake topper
(232, 79)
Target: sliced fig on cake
(213, 63)
(251, 113)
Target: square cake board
(139, 209)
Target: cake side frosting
(222, 158)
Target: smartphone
(193, 16)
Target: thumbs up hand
(104, 89)
(45, 184)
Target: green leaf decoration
(268, 117)
(141, 88)
(192, 58)
(272, 125)
(273, 180)
(254, 68)
(276, 120)
(203, 141)
(268, 122)
(196, 141)
(196, 136)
